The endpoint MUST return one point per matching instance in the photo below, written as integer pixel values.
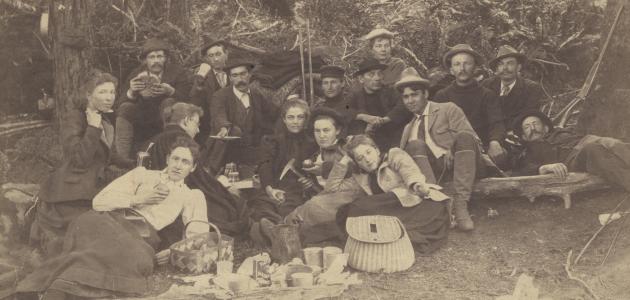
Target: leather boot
(463, 180)
(124, 139)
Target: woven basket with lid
(378, 244)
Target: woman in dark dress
(390, 184)
(281, 195)
(87, 137)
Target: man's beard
(534, 135)
(240, 85)
(156, 67)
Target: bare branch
(259, 31)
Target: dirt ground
(531, 238)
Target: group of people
(377, 145)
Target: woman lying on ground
(388, 184)
(282, 195)
(86, 139)
(109, 251)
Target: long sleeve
(182, 84)
(195, 210)
(402, 163)
(337, 182)
(80, 141)
(494, 117)
(199, 91)
(458, 121)
(268, 152)
(218, 109)
(120, 192)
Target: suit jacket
(226, 111)
(445, 120)
(397, 173)
(173, 74)
(86, 155)
(526, 95)
(201, 95)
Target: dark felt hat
(331, 71)
(235, 60)
(517, 126)
(409, 76)
(461, 48)
(154, 44)
(507, 51)
(368, 65)
(210, 43)
(328, 112)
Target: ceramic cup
(313, 256)
(329, 253)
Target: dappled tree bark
(70, 23)
(607, 109)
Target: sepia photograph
(314, 149)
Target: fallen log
(19, 124)
(23, 128)
(532, 187)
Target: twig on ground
(235, 18)
(415, 58)
(567, 268)
(577, 259)
(614, 241)
(48, 55)
(351, 53)
(260, 30)
(131, 18)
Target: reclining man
(158, 82)
(442, 142)
(559, 151)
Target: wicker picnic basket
(200, 252)
(378, 244)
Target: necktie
(222, 78)
(420, 127)
(505, 90)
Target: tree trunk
(607, 108)
(70, 22)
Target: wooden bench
(532, 187)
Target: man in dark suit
(155, 84)
(480, 104)
(237, 110)
(517, 95)
(209, 78)
(441, 141)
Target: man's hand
(162, 257)
(275, 194)
(155, 196)
(93, 118)
(306, 183)
(315, 169)
(204, 68)
(496, 151)
(558, 169)
(136, 84)
(163, 89)
(421, 189)
(223, 132)
(372, 120)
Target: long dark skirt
(52, 221)
(426, 223)
(103, 255)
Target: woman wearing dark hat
(328, 129)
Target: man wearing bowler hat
(516, 94)
(374, 108)
(209, 78)
(480, 104)
(381, 42)
(442, 142)
(238, 111)
(158, 82)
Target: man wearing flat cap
(157, 83)
(441, 141)
(558, 151)
(480, 104)
(517, 95)
(238, 111)
(381, 42)
(209, 78)
(374, 108)
(333, 88)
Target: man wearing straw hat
(209, 78)
(480, 104)
(381, 42)
(442, 142)
(516, 94)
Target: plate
(225, 138)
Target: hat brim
(520, 57)
(374, 67)
(405, 82)
(446, 60)
(209, 45)
(248, 64)
(517, 126)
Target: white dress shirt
(191, 204)
(415, 127)
(506, 89)
(244, 97)
(221, 77)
